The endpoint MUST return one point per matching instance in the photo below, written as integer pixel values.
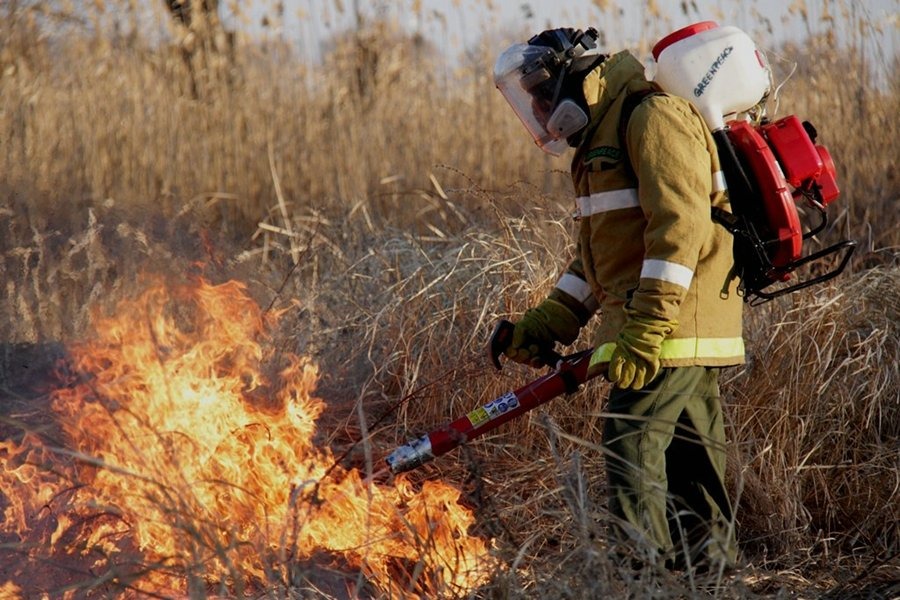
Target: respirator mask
(531, 77)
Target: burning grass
(194, 467)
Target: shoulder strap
(631, 102)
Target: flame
(182, 449)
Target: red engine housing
(807, 166)
(784, 246)
(787, 165)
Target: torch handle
(568, 376)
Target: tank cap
(677, 36)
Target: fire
(187, 462)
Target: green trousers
(665, 454)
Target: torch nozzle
(409, 456)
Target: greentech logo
(610, 152)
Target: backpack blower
(769, 167)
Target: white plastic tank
(719, 69)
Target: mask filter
(567, 119)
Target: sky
(455, 26)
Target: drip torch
(567, 376)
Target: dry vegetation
(397, 210)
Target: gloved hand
(539, 329)
(635, 360)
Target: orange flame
(192, 458)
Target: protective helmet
(531, 77)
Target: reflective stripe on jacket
(652, 249)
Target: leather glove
(539, 329)
(635, 360)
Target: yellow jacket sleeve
(667, 147)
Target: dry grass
(398, 212)
(821, 419)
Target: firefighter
(652, 263)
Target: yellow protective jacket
(647, 245)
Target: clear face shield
(523, 75)
(530, 77)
